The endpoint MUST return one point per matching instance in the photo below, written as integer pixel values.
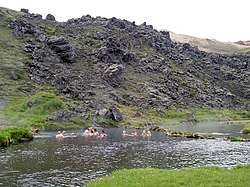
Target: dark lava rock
(112, 53)
(50, 17)
(61, 116)
(113, 113)
(24, 10)
(116, 114)
(23, 26)
(113, 75)
(62, 48)
(119, 62)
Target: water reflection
(47, 161)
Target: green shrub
(234, 138)
(246, 129)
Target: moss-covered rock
(10, 135)
(173, 133)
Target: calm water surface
(47, 161)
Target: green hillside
(99, 71)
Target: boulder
(113, 113)
(116, 23)
(62, 48)
(24, 10)
(113, 75)
(112, 53)
(35, 16)
(116, 114)
(50, 17)
(61, 116)
(22, 27)
(105, 113)
(43, 54)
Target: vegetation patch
(245, 51)
(203, 176)
(32, 110)
(10, 135)
(27, 103)
(193, 115)
(134, 116)
(246, 129)
(48, 27)
(237, 139)
(73, 123)
(181, 134)
(106, 121)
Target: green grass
(42, 104)
(136, 117)
(194, 115)
(103, 120)
(246, 129)
(17, 92)
(48, 27)
(245, 51)
(14, 135)
(12, 61)
(203, 176)
(234, 138)
(73, 123)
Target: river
(48, 161)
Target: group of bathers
(94, 132)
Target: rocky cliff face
(104, 62)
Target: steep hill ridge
(99, 66)
(211, 45)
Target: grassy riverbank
(203, 176)
(10, 135)
(136, 117)
(34, 110)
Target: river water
(48, 161)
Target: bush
(246, 129)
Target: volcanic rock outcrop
(113, 61)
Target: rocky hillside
(246, 43)
(211, 45)
(245, 49)
(99, 69)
